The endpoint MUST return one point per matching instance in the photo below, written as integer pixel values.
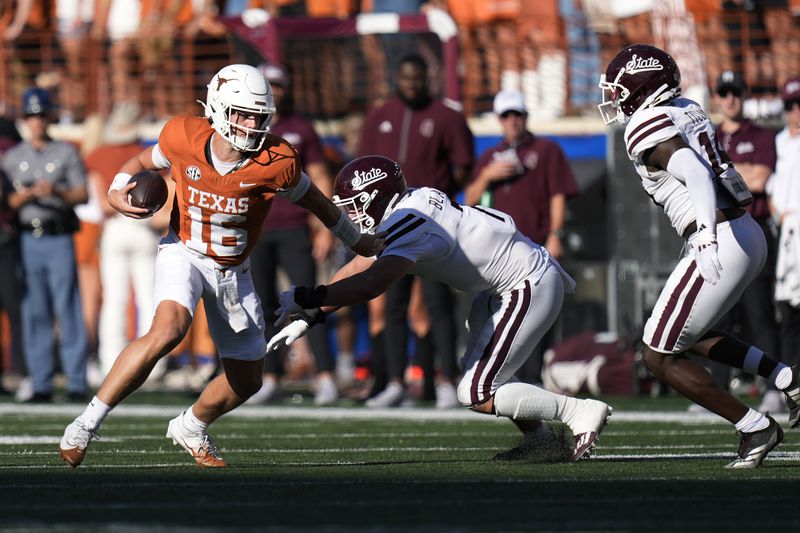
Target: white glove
(287, 306)
(705, 247)
(288, 335)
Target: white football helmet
(240, 88)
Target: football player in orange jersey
(227, 168)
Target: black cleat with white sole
(792, 394)
(753, 447)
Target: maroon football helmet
(365, 187)
(639, 76)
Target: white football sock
(523, 401)
(94, 413)
(752, 421)
(192, 423)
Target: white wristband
(120, 180)
(346, 230)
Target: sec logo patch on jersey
(193, 173)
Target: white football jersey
(472, 249)
(652, 126)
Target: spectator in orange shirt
(20, 20)
(161, 22)
(74, 21)
(118, 22)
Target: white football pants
(504, 330)
(688, 306)
(127, 259)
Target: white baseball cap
(509, 101)
(274, 74)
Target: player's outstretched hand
(287, 306)
(293, 331)
(370, 245)
(707, 257)
(119, 201)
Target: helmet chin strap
(660, 95)
(389, 208)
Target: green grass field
(350, 468)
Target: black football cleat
(792, 394)
(754, 446)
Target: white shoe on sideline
(326, 393)
(391, 396)
(772, 403)
(188, 378)
(446, 396)
(270, 391)
(199, 445)
(76, 439)
(94, 376)
(154, 380)
(345, 369)
(697, 409)
(24, 390)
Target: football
(151, 190)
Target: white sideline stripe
(222, 449)
(58, 428)
(605, 451)
(11, 440)
(342, 413)
(773, 456)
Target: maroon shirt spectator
(526, 196)
(752, 150)
(425, 136)
(756, 146)
(434, 147)
(293, 241)
(299, 131)
(530, 177)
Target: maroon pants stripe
(666, 314)
(683, 315)
(509, 325)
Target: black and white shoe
(754, 446)
(792, 394)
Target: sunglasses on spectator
(511, 113)
(789, 105)
(723, 93)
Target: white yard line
(340, 413)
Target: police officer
(47, 180)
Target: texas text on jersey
(221, 216)
(651, 126)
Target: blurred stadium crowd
(112, 66)
(160, 53)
